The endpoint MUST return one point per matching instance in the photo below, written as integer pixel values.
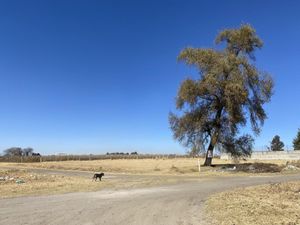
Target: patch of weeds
(175, 169)
(259, 168)
(294, 163)
(156, 169)
(194, 170)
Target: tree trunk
(214, 139)
(209, 155)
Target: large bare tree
(230, 89)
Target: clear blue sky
(98, 76)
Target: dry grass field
(271, 204)
(46, 184)
(186, 166)
(277, 203)
(131, 166)
(161, 171)
(37, 184)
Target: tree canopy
(17, 151)
(276, 144)
(296, 141)
(230, 89)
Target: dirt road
(179, 204)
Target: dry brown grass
(38, 184)
(131, 166)
(179, 166)
(294, 163)
(45, 184)
(270, 204)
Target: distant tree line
(17, 151)
(121, 153)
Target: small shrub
(194, 170)
(156, 169)
(295, 163)
(175, 169)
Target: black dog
(98, 175)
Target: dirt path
(179, 204)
